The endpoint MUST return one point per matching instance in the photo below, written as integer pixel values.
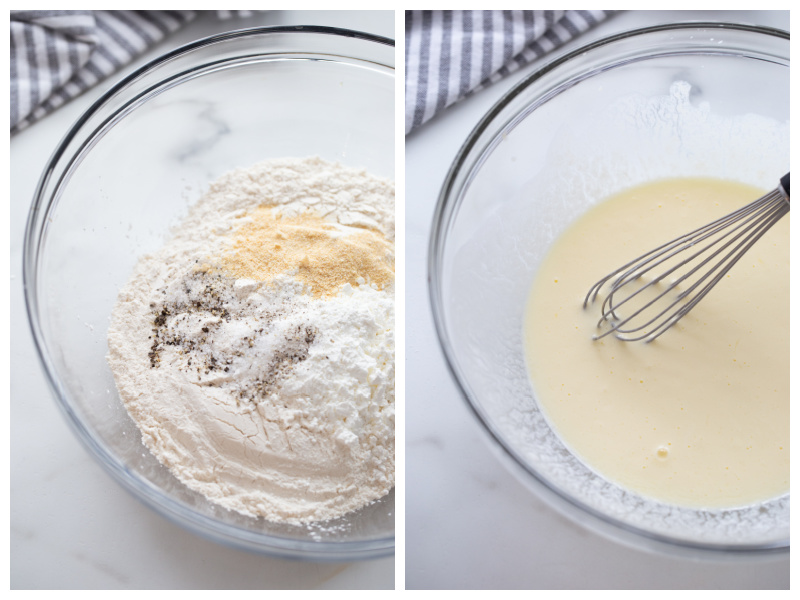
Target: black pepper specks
(294, 349)
(199, 297)
(193, 328)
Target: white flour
(263, 397)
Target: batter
(700, 417)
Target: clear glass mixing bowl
(705, 99)
(128, 170)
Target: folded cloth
(58, 54)
(451, 54)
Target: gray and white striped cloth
(451, 54)
(58, 54)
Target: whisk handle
(785, 185)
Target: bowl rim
(446, 206)
(141, 489)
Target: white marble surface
(72, 526)
(469, 522)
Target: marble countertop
(72, 526)
(469, 522)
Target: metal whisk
(651, 293)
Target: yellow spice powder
(325, 256)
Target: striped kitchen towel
(58, 54)
(451, 54)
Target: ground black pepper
(206, 297)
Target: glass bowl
(686, 99)
(128, 170)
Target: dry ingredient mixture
(255, 350)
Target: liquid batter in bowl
(700, 417)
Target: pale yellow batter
(699, 417)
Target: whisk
(639, 304)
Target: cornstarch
(255, 349)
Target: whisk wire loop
(728, 239)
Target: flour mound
(260, 395)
